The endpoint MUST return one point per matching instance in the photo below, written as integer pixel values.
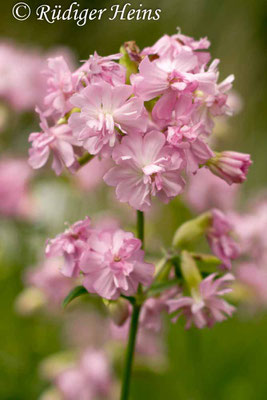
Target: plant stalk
(127, 372)
(129, 357)
(140, 225)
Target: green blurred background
(226, 363)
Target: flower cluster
(110, 260)
(143, 120)
(151, 111)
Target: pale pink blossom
(201, 44)
(205, 191)
(113, 264)
(70, 245)
(150, 313)
(230, 166)
(89, 379)
(220, 239)
(57, 140)
(171, 110)
(165, 45)
(153, 308)
(212, 104)
(105, 109)
(145, 167)
(172, 45)
(190, 141)
(172, 77)
(206, 306)
(171, 73)
(61, 84)
(98, 68)
(15, 197)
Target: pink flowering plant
(151, 114)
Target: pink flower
(171, 110)
(89, 379)
(212, 104)
(61, 85)
(230, 166)
(104, 110)
(113, 264)
(145, 167)
(174, 44)
(156, 77)
(70, 245)
(98, 69)
(220, 240)
(205, 191)
(15, 198)
(206, 306)
(58, 140)
(153, 307)
(189, 139)
(48, 278)
(150, 313)
(201, 44)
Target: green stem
(84, 159)
(140, 224)
(125, 390)
(129, 357)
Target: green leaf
(76, 292)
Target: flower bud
(192, 230)
(190, 271)
(133, 51)
(118, 310)
(128, 60)
(206, 262)
(230, 166)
